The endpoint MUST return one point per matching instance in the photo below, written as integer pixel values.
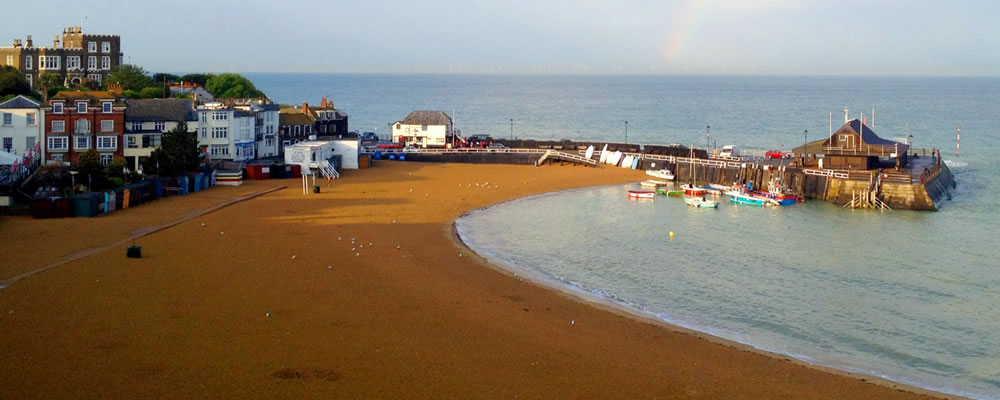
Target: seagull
(293, 257)
(572, 322)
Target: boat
(641, 194)
(652, 183)
(721, 188)
(626, 161)
(604, 155)
(589, 154)
(661, 173)
(740, 196)
(776, 191)
(712, 191)
(700, 202)
(635, 162)
(692, 190)
(670, 192)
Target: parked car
(775, 154)
(730, 151)
(496, 146)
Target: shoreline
(261, 299)
(619, 307)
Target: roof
(867, 135)
(815, 147)
(94, 97)
(293, 117)
(427, 118)
(160, 110)
(20, 101)
(310, 144)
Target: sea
(912, 297)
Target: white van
(730, 151)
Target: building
(266, 126)
(855, 146)
(77, 121)
(226, 133)
(76, 57)
(194, 89)
(21, 126)
(325, 121)
(146, 120)
(424, 129)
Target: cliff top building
(76, 57)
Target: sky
(728, 37)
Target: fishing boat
(700, 202)
(640, 194)
(661, 173)
(740, 196)
(692, 190)
(778, 192)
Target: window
(29, 119)
(220, 132)
(8, 119)
(107, 142)
(10, 60)
(58, 143)
(130, 142)
(204, 132)
(92, 62)
(269, 142)
(136, 126)
(92, 47)
(204, 117)
(81, 108)
(309, 129)
(48, 62)
(423, 128)
(57, 157)
(107, 125)
(105, 47)
(160, 126)
(297, 129)
(29, 143)
(106, 107)
(27, 62)
(151, 141)
(105, 63)
(58, 126)
(29, 78)
(57, 108)
(82, 126)
(82, 143)
(94, 77)
(220, 116)
(106, 159)
(219, 150)
(8, 143)
(73, 62)
(397, 126)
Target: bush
(116, 182)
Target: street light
(805, 139)
(626, 132)
(708, 136)
(512, 129)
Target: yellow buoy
(671, 235)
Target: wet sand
(264, 301)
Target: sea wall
(474, 158)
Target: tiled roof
(93, 97)
(20, 102)
(427, 118)
(160, 110)
(293, 117)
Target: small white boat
(652, 183)
(720, 188)
(661, 173)
(641, 194)
(700, 202)
(604, 155)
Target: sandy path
(207, 314)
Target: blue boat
(741, 197)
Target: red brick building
(77, 121)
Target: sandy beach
(269, 298)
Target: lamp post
(805, 139)
(626, 132)
(708, 137)
(512, 129)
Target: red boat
(641, 194)
(692, 190)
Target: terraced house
(146, 120)
(76, 57)
(77, 121)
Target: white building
(424, 129)
(22, 123)
(226, 133)
(146, 120)
(265, 127)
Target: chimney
(55, 42)
(27, 42)
(115, 88)
(17, 42)
(79, 29)
(305, 107)
(323, 103)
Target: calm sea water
(911, 296)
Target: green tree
(161, 77)
(178, 153)
(200, 79)
(152, 92)
(131, 77)
(89, 167)
(116, 168)
(12, 82)
(48, 81)
(231, 86)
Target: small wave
(956, 163)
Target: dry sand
(281, 305)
